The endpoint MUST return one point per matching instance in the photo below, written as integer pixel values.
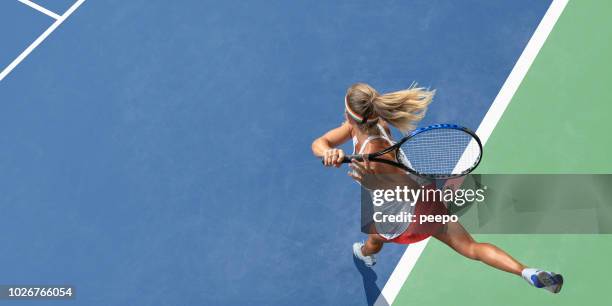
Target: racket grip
(347, 158)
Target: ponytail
(403, 109)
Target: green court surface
(556, 123)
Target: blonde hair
(403, 109)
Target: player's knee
(375, 240)
(477, 248)
(472, 250)
(374, 244)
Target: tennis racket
(438, 151)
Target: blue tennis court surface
(158, 153)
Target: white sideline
(494, 114)
(39, 40)
(40, 9)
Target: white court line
(39, 40)
(40, 9)
(414, 251)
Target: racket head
(440, 151)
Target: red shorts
(417, 231)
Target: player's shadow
(372, 292)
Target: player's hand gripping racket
(438, 151)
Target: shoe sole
(548, 280)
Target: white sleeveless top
(383, 135)
(387, 230)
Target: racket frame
(375, 157)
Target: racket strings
(441, 152)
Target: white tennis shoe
(543, 279)
(367, 260)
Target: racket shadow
(369, 277)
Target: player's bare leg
(373, 245)
(456, 237)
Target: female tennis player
(368, 116)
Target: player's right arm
(326, 145)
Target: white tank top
(387, 230)
(383, 135)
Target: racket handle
(347, 158)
